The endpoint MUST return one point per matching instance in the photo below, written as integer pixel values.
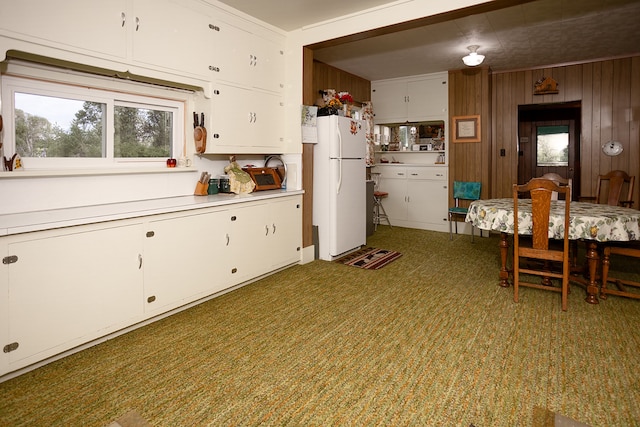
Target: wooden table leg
(504, 251)
(592, 259)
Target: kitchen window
(56, 125)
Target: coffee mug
(184, 162)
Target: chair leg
(450, 228)
(377, 215)
(384, 215)
(516, 279)
(472, 236)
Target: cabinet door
(427, 202)
(185, 258)
(389, 101)
(428, 99)
(4, 306)
(90, 25)
(269, 69)
(245, 121)
(248, 252)
(285, 231)
(247, 59)
(67, 289)
(428, 197)
(173, 35)
(393, 180)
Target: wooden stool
(379, 214)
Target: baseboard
(308, 254)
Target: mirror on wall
(419, 136)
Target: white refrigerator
(339, 186)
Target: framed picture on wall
(466, 128)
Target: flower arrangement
(333, 101)
(345, 97)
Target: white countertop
(25, 222)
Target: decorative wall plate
(612, 148)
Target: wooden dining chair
(609, 189)
(627, 249)
(538, 246)
(558, 180)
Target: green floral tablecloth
(591, 221)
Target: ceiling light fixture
(473, 58)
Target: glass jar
(224, 185)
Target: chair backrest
(466, 190)
(540, 191)
(616, 181)
(558, 180)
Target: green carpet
(429, 340)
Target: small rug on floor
(369, 258)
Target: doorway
(542, 131)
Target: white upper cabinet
(418, 98)
(165, 35)
(182, 41)
(245, 121)
(248, 58)
(177, 36)
(94, 26)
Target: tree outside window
(552, 145)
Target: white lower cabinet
(284, 241)
(418, 196)
(67, 287)
(185, 258)
(270, 233)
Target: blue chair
(463, 190)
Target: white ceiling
(529, 35)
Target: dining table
(593, 223)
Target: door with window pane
(549, 142)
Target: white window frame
(85, 87)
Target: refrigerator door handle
(339, 176)
(339, 141)
(339, 160)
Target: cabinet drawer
(427, 173)
(391, 172)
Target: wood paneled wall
(308, 97)
(470, 94)
(328, 77)
(609, 93)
